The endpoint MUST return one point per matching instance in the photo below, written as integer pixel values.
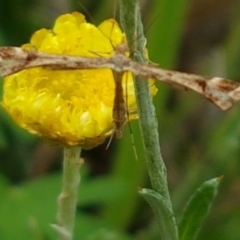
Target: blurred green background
(198, 141)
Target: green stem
(133, 28)
(146, 110)
(67, 199)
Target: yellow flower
(69, 107)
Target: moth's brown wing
(14, 59)
(222, 92)
(11, 60)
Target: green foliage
(162, 212)
(197, 209)
(30, 208)
(198, 141)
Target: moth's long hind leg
(128, 119)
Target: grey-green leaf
(163, 213)
(197, 209)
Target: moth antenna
(86, 12)
(115, 6)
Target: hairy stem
(67, 199)
(133, 28)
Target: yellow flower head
(69, 107)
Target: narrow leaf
(197, 209)
(163, 213)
